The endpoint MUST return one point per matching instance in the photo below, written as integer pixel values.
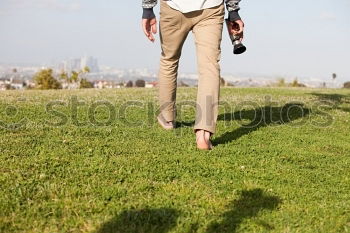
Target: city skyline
(115, 74)
(292, 39)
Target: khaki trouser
(207, 26)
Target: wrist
(148, 13)
(234, 16)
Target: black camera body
(238, 47)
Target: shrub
(44, 80)
(295, 83)
(84, 83)
(347, 85)
(140, 83)
(129, 84)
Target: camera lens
(239, 49)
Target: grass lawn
(97, 161)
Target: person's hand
(237, 28)
(149, 27)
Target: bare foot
(203, 140)
(168, 125)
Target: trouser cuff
(212, 130)
(168, 116)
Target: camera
(238, 47)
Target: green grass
(96, 173)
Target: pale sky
(304, 38)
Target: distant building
(17, 84)
(4, 83)
(120, 85)
(102, 84)
(78, 64)
(13, 84)
(66, 85)
(151, 84)
(90, 62)
(30, 84)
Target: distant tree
(129, 84)
(347, 85)
(281, 82)
(14, 76)
(295, 83)
(84, 83)
(334, 76)
(86, 69)
(44, 80)
(140, 83)
(222, 81)
(75, 77)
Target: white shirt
(186, 6)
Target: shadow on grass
(160, 220)
(248, 205)
(335, 100)
(262, 117)
(180, 124)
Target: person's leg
(173, 32)
(208, 35)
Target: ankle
(203, 130)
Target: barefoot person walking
(205, 19)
